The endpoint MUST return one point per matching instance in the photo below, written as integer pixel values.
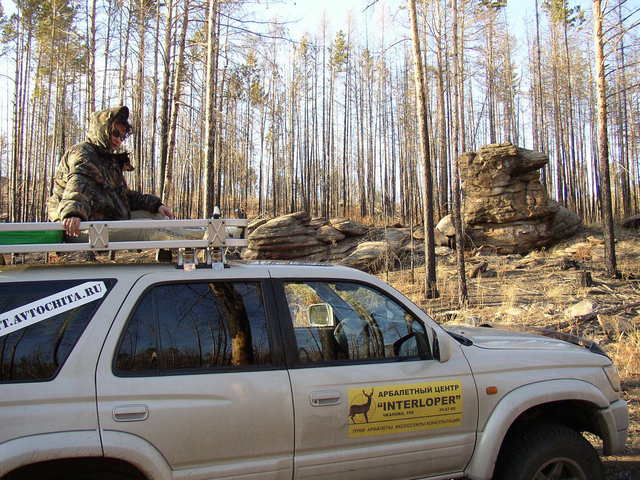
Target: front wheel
(548, 452)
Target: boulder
(348, 227)
(282, 227)
(284, 238)
(328, 234)
(317, 222)
(418, 232)
(584, 307)
(397, 237)
(440, 238)
(445, 226)
(255, 223)
(515, 237)
(565, 222)
(296, 242)
(368, 256)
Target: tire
(79, 470)
(101, 475)
(549, 451)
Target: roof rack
(215, 234)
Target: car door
(372, 400)
(193, 371)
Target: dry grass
(626, 354)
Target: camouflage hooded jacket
(89, 183)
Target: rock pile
(299, 237)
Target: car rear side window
(195, 328)
(41, 322)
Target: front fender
(512, 405)
(32, 449)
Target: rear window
(40, 323)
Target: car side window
(346, 321)
(195, 328)
(41, 322)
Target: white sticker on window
(50, 306)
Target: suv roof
(82, 270)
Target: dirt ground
(540, 290)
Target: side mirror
(320, 315)
(442, 346)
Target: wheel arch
(553, 399)
(33, 449)
(77, 446)
(68, 467)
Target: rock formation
(505, 205)
(298, 237)
(506, 210)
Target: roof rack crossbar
(215, 234)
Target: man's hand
(166, 211)
(71, 226)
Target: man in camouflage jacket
(89, 183)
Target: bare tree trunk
(463, 296)
(138, 111)
(91, 67)
(210, 117)
(442, 123)
(107, 48)
(603, 144)
(154, 106)
(123, 59)
(167, 189)
(166, 95)
(429, 247)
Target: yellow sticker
(404, 408)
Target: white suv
(263, 371)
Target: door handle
(324, 398)
(130, 413)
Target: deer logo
(361, 408)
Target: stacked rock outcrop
(298, 237)
(505, 204)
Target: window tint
(342, 321)
(195, 327)
(35, 341)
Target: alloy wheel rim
(560, 469)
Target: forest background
(231, 108)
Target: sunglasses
(116, 134)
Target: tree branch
(370, 5)
(623, 89)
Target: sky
(305, 15)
